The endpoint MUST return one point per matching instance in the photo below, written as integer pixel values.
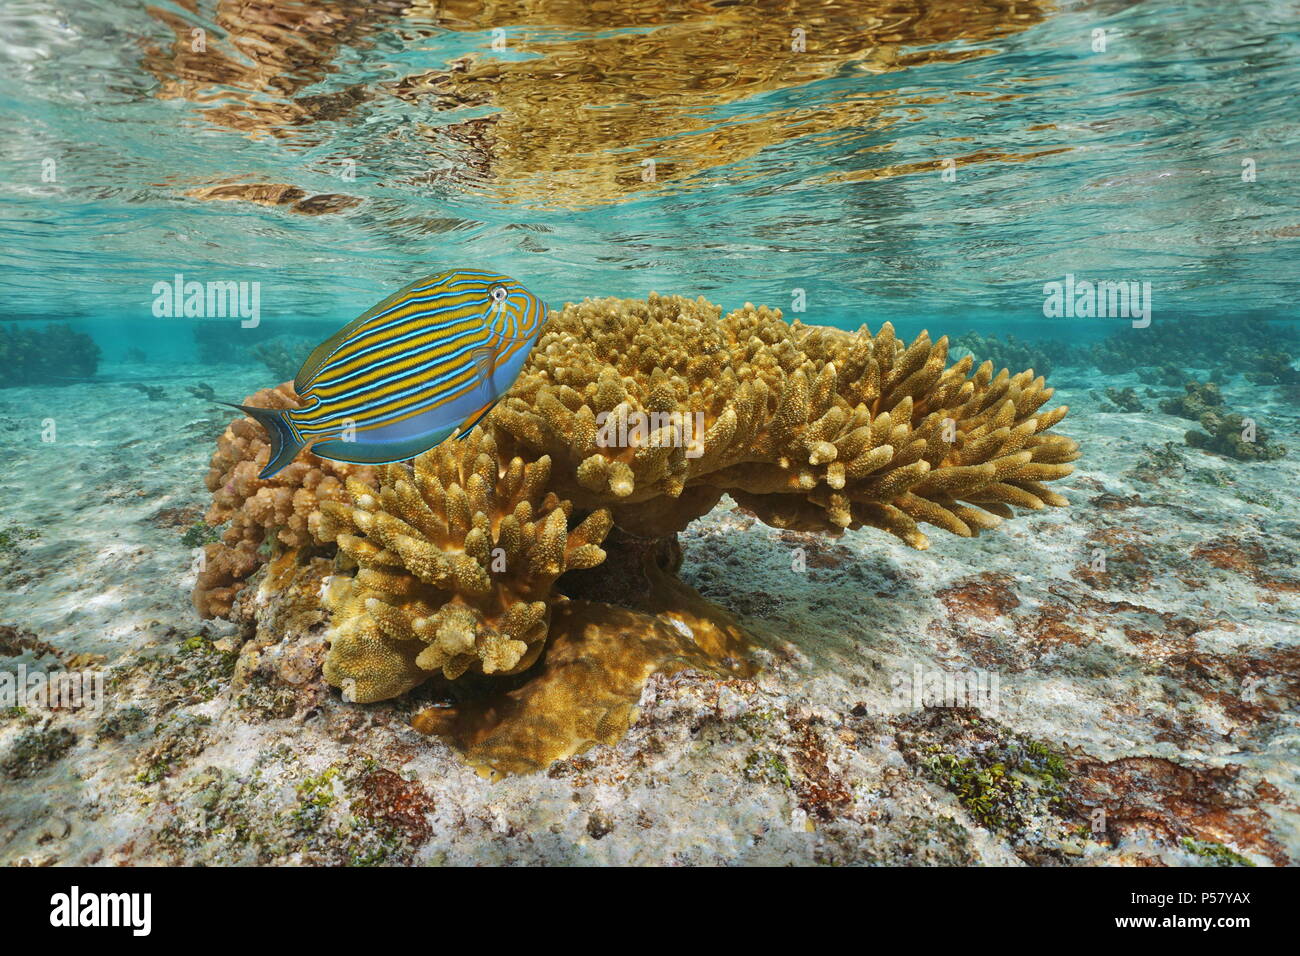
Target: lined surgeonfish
(427, 362)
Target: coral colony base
(529, 570)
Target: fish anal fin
(467, 426)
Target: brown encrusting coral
(585, 691)
(523, 548)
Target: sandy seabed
(1145, 714)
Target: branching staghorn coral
(285, 507)
(538, 555)
(457, 555)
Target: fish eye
(498, 293)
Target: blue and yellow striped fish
(426, 363)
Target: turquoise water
(776, 170)
(939, 164)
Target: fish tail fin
(285, 441)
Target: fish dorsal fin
(321, 353)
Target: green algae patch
(121, 723)
(20, 714)
(361, 816)
(315, 797)
(200, 533)
(1215, 854)
(1010, 784)
(766, 766)
(175, 741)
(263, 696)
(351, 813)
(757, 723)
(995, 786)
(13, 537)
(195, 674)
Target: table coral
(511, 558)
(811, 428)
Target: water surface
(932, 163)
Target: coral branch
(457, 558)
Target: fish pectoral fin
(485, 360)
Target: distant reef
(53, 355)
(1160, 354)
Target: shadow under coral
(611, 628)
